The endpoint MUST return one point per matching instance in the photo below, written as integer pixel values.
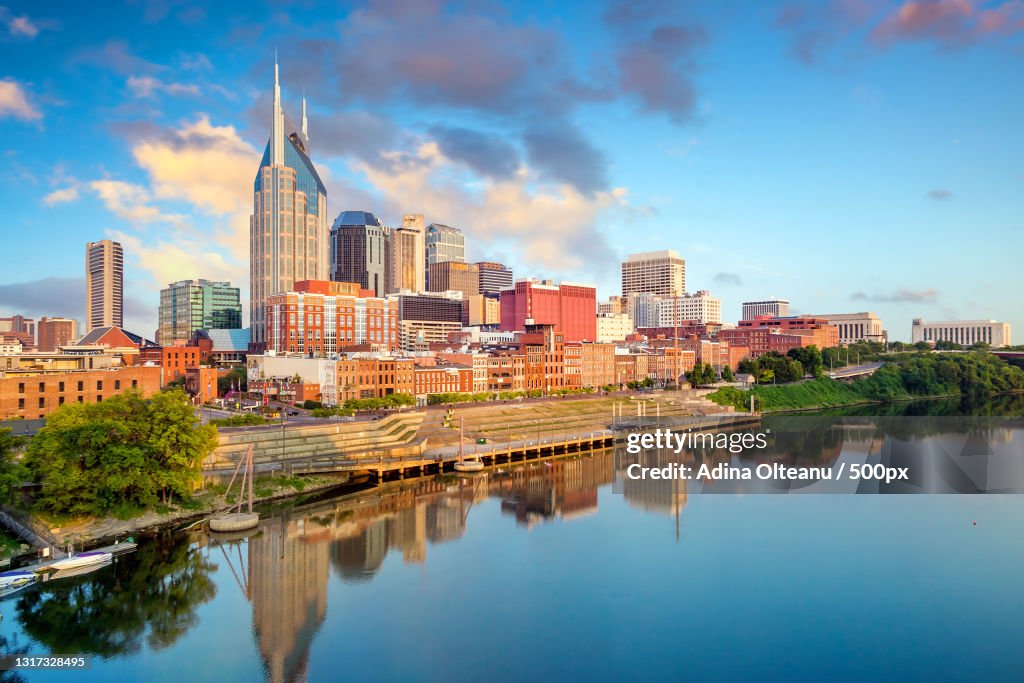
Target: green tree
(809, 357)
(727, 375)
(12, 472)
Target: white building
(309, 370)
(654, 272)
(643, 309)
(855, 327)
(701, 307)
(777, 308)
(964, 332)
(613, 327)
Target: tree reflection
(149, 596)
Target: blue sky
(848, 155)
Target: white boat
(67, 573)
(15, 578)
(468, 466)
(80, 560)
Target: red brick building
(570, 308)
(33, 395)
(442, 379)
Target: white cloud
(147, 86)
(22, 26)
(131, 202)
(14, 102)
(61, 196)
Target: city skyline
(834, 174)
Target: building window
(81, 386)
(80, 400)
(60, 386)
(42, 387)
(60, 401)
(21, 387)
(99, 385)
(42, 402)
(117, 384)
(21, 404)
(99, 398)
(135, 383)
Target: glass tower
(359, 251)
(192, 305)
(443, 243)
(288, 229)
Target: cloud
(561, 153)
(489, 155)
(655, 55)
(552, 227)
(728, 279)
(940, 195)
(115, 56)
(131, 202)
(951, 23)
(14, 101)
(923, 296)
(817, 26)
(57, 297)
(61, 196)
(147, 86)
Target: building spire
(277, 123)
(305, 122)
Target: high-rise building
(359, 251)
(494, 277)
(963, 332)
(191, 305)
(55, 332)
(654, 272)
(453, 276)
(288, 230)
(407, 255)
(777, 308)
(443, 243)
(104, 285)
(569, 307)
(481, 309)
(17, 329)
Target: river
(567, 571)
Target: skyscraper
(778, 308)
(288, 230)
(443, 243)
(407, 255)
(494, 277)
(192, 305)
(654, 272)
(359, 246)
(104, 285)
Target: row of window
(81, 386)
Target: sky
(847, 155)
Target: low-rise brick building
(33, 394)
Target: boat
(16, 578)
(468, 466)
(79, 570)
(80, 560)
(231, 522)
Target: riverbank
(85, 532)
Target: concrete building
(613, 327)
(442, 243)
(18, 329)
(855, 327)
(359, 245)
(776, 308)
(614, 304)
(654, 272)
(570, 307)
(55, 332)
(288, 233)
(481, 309)
(321, 318)
(191, 305)
(701, 307)
(494, 277)
(963, 332)
(453, 276)
(104, 285)
(408, 262)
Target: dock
(115, 550)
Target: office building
(481, 309)
(614, 304)
(654, 272)
(494, 277)
(776, 308)
(963, 332)
(856, 327)
(613, 327)
(359, 251)
(408, 263)
(55, 332)
(104, 285)
(442, 243)
(453, 276)
(17, 329)
(701, 307)
(288, 233)
(191, 305)
(569, 307)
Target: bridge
(855, 371)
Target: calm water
(566, 571)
